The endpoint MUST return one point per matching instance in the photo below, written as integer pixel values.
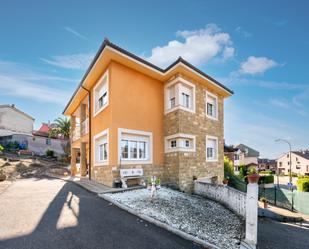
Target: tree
(60, 127)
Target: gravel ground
(206, 219)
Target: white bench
(126, 174)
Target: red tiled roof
(44, 128)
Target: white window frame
(216, 107)
(181, 139)
(104, 78)
(178, 84)
(216, 149)
(96, 151)
(138, 134)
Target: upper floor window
(135, 146)
(101, 148)
(179, 94)
(211, 148)
(280, 164)
(211, 106)
(100, 94)
(236, 157)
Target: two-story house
(299, 162)
(128, 113)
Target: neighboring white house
(246, 155)
(40, 142)
(299, 162)
(15, 125)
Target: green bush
(266, 172)
(49, 153)
(1, 148)
(303, 184)
(242, 171)
(266, 179)
(252, 170)
(228, 167)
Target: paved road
(278, 235)
(51, 213)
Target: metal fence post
(275, 195)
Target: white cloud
(280, 103)
(257, 65)
(198, 46)
(243, 32)
(74, 32)
(20, 88)
(19, 80)
(72, 61)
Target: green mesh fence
(236, 183)
(285, 198)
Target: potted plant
(253, 176)
(265, 202)
(225, 181)
(2, 175)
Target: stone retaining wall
(229, 197)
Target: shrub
(266, 172)
(242, 171)
(266, 179)
(228, 167)
(252, 170)
(303, 184)
(1, 148)
(49, 153)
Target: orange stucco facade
(136, 101)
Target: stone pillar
(73, 150)
(83, 159)
(82, 112)
(251, 216)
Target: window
(211, 105)
(187, 143)
(287, 155)
(101, 148)
(211, 148)
(135, 146)
(179, 94)
(236, 157)
(280, 164)
(173, 143)
(48, 141)
(180, 142)
(100, 93)
(186, 100)
(103, 152)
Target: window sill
(211, 160)
(100, 110)
(179, 108)
(212, 118)
(179, 150)
(129, 161)
(103, 163)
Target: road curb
(160, 224)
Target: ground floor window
(211, 148)
(101, 148)
(135, 146)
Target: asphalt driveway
(51, 213)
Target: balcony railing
(85, 126)
(76, 133)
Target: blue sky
(259, 49)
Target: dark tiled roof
(249, 152)
(304, 153)
(266, 161)
(229, 148)
(106, 42)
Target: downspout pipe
(89, 133)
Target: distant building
(15, 125)
(41, 141)
(299, 162)
(267, 164)
(241, 155)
